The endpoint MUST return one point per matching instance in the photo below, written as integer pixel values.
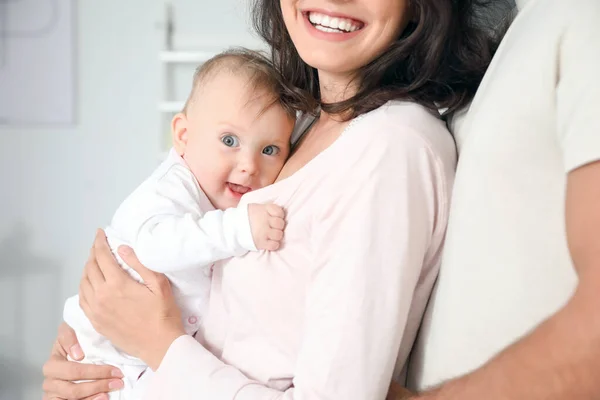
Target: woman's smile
(338, 38)
(331, 26)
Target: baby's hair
(262, 77)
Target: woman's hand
(59, 373)
(140, 318)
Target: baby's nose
(249, 165)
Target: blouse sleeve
(372, 239)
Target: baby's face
(236, 143)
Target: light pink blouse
(333, 313)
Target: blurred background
(61, 178)
(86, 92)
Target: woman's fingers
(61, 369)
(86, 294)
(59, 372)
(92, 271)
(105, 261)
(67, 343)
(101, 396)
(128, 255)
(82, 390)
(92, 259)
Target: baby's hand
(267, 223)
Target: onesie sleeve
(175, 235)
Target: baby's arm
(175, 235)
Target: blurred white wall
(58, 184)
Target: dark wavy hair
(438, 61)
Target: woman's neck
(335, 88)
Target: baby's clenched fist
(267, 223)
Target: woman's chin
(331, 65)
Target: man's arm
(561, 358)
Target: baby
(233, 136)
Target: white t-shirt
(506, 265)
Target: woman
(334, 312)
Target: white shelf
(182, 57)
(170, 106)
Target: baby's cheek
(207, 163)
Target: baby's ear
(179, 131)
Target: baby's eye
(230, 141)
(271, 150)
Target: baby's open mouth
(238, 188)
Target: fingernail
(76, 352)
(124, 250)
(116, 373)
(114, 385)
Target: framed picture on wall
(37, 62)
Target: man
(517, 303)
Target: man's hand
(267, 224)
(397, 392)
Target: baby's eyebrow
(230, 126)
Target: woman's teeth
(326, 23)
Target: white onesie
(174, 229)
